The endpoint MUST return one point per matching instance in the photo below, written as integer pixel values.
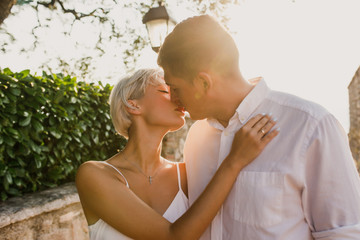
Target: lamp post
(159, 24)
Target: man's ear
(203, 81)
(134, 108)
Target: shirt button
(242, 119)
(226, 133)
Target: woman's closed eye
(164, 91)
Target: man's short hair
(129, 88)
(196, 44)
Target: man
(304, 185)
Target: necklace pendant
(150, 179)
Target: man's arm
(331, 197)
(199, 152)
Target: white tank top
(103, 231)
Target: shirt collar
(247, 106)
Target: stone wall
(54, 214)
(354, 103)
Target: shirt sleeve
(331, 195)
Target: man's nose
(174, 98)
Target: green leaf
(56, 173)
(21, 162)
(59, 96)
(15, 91)
(76, 139)
(37, 161)
(34, 147)
(24, 150)
(40, 99)
(57, 153)
(9, 141)
(5, 77)
(25, 73)
(8, 178)
(10, 152)
(25, 121)
(52, 120)
(37, 125)
(51, 159)
(5, 100)
(20, 172)
(14, 192)
(77, 155)
(3, 196)
(85, 139)
(56, 133)
(13, 132)
(11, 108)
(96, 139)
(5, 184)
(30, 91)
(34, 136)
(18, 182)
(32, 104)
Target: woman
(139, 194)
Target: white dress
(103, 231)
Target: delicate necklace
(150, 178)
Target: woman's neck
(144, 149)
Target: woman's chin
(178, 126)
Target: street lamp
(159, 24)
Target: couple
(302, 185)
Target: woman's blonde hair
(129, 88)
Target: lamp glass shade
(158, 29)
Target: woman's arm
(121, 208)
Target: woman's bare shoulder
(95, 171)
(90, 167)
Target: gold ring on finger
(262, 131)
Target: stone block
(52, 214)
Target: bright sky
(309, 48)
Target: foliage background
(94, 40)
(49, 125)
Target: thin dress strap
(179, 178)
(127, 184)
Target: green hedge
(49, 125)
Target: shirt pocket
(259, 198)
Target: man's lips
(180, 109)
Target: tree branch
(77, 15)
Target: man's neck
(229, 100)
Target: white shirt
(304, 185)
